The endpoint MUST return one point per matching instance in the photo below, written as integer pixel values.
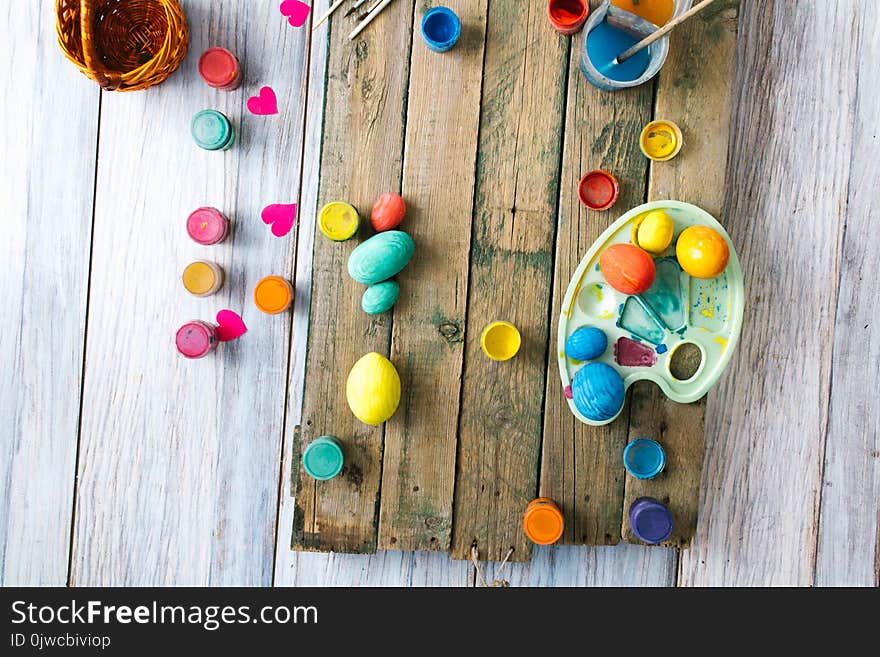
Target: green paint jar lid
(212, 130)
(323, 458)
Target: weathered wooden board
(786, 208)
(46, 185)
(581, 466)
(361, 158)
(849, 524)
(695, 89)
(429, 320)
(511, 265)
(385, 568)
(179, 461)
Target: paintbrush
(671, 25)
(377, 9)
(357, 5)
(336, 5)
(363, 16)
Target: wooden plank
(581, 465)
(849, 524)
(517, 189)
(785, 208)
(179, 461)
(392, 568)
(361, 158)
(428, 336)
(47, 183)
(695, 89)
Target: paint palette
(680, 333)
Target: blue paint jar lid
(644, 458)
(212, 130)
(650, 520)
(323, 458)
(441, 29)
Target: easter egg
(597, 391)
(654, 232)
(380, 297)
(373, 389)
(388, 212)
(379, 258)
(587, 343)
(627, 268)
(702, 252)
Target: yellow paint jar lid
(273, 295)
(661, 140)
(339, 221)
(202, 278)
(500, 341)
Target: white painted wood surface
(49, 134)
(179, 485)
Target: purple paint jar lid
(650, 520)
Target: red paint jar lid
(598, 190)
(567, 16)
(218, 67)
(196, 339)
(207, 226)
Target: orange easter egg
(627, 268)
(388, 212)
(702, 252)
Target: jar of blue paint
(650, 520)
(212, 131)
(323, 458)
(644, 458)
(441, 29)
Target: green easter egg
(381, 257)
(379, 298)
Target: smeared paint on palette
(677, 315)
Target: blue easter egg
(587, 343)
(597, 391)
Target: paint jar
(339, 221)
(644, 458)
(660, 140)
(219, 69)
(207, 226)
(598, 190)
(323, 458)
(567, 16)
(196, 339)
(650, 520)
(273, 295)
(500, 341)
(202, 278)
(212, 131)
(656, 11)
(441, 29)
(543, 522)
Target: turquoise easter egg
(379, 298)
(587, 343)
(379, 258)
(597, 391)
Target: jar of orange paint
(273, 295)
(543, 522)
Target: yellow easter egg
(373, 389)
(702, 252)
(654, 233)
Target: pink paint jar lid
(219, 69)
(196, 339)
(207, 226)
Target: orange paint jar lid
(273, 295)
(543, 522)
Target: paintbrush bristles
(369, 19)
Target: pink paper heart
(296, 12)
(264, 103)
(229, 326)
(281, 217)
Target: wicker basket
(123, 45)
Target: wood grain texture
(581, 465)
(517, 190)
(694, 89)
(46, 191)
(429, 319)
(849, 524)
(393, 568)
(767, 418)
(361, 158)
(178, 467)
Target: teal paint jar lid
(323, 458)
(644, 458)
(212, 130)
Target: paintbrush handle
(663, 31)
(336, 5)
(369, 19)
